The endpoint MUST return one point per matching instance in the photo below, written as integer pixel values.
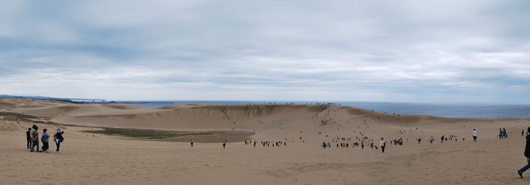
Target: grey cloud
(355, 50)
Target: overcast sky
(390, 51)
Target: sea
(453, 110)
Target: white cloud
(348, 50)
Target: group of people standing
(342, 145)
(32, 137)
(268, 143)
(502, 134)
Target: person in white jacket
(383, 144)
(474, 135)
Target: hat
(58, 129)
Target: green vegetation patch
(143, 133)
(17, 117)
(11, 116)
(126, 132)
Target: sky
(378, 51)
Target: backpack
(55, 138)
(44, 138)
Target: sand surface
(102, 159)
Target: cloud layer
(406, 51)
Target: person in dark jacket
(362, 144)
(58, 139)
(44, 140)
(28, 137)
(526, 154)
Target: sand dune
(102, 159)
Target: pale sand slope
(111, 160)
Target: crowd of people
(502, 134)
(383, 144)
(270, 143)
(264, 143)
(399, 141)
(33, 142)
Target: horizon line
(268, 101)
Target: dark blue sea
(469, 110)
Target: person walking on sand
(526, 154)
(192, 143)
(383, 144)
(35, 138)
(362, 144)
(224, 144)
(58, 138)
(474, 135)
(28, 138)
(45, 139)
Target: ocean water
(468, 110)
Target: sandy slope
(111, 160)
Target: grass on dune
(17, 116)
(11, 116)
(143, 133)
(125, 132)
